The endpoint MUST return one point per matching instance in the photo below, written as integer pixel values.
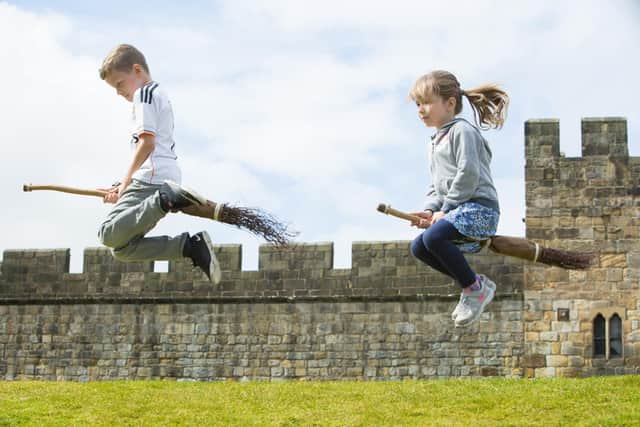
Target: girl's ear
(451, 103)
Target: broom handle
(386, 209)
(211, 210)
(63, 189)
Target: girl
(462, 204)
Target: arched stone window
(599, 336)
(607, 332)
(615, 336)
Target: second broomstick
(519, 247)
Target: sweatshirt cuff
(447, 207)
(431, 207)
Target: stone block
(576, 361)
(557, 361)
(570, 349)
(551, 336)
(613, 260)
(570, 372)
(302, 256)
(604, 137)
(545, 372)
(533, 361)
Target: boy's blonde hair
(122, 58)
(489, 102)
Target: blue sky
(297, 107)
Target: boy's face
(127, 82)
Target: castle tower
(583, 323)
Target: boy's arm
(145, 146)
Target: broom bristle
(566, 259)
(258, 222)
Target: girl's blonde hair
(489, 102)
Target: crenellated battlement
(601, 136)
(577, 199)
(605, 137)
(542, 139)
(379, 269)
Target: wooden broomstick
(519, 247)
(253, 220)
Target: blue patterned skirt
(475, 221)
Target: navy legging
(435, 248)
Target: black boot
(200, 250)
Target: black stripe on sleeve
(155, 85)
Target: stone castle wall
(387, 317)
(591, 204)
(295, 317)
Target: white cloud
(306, 117)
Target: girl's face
(436, 111)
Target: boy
(149, 189)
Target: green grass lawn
(613, 401)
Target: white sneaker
(488, 282)
(472, 303)
(458, 309)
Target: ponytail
(489, 104)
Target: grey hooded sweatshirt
(460, 171)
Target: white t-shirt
(152, 113)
